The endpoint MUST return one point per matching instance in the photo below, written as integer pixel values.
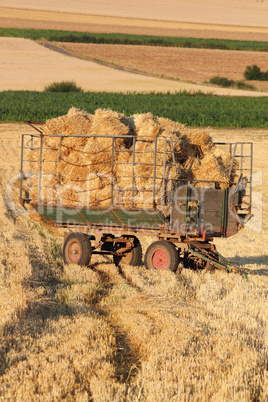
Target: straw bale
(71, 195)
(225, 159)
(92, 159)
(169, 135)
(49, 188)
(173, 144)
(33, 157)
(124, 178)
(50, 161)
(209, 168)
(33, 191)
(73, 167)
(55, 125)
(108, 122)
(145, 125)
(50, 177)
(93, 192)
(78, 122)
(144, 163)
(124, 168)
(144, 170)
(201, 138)
(75, 122)
(97, 154)
(171, 126)
(100, 193)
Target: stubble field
(94, 334)
(76, 333)
(190, 65)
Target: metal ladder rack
(242, 152)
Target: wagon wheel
(132, 257)
(161, 255)
(77, 249)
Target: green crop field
(82, 37)
(191, 109)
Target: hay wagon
(140, 194)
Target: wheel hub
(74, 252)
(160, 259)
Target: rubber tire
(168, 248)
(134, 257)
(81, 243)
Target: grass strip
(124, 39)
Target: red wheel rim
(160, 259)
(74, 252)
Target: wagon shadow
(33, 320)
(254, 260)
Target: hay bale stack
(83, 166)
(94, 192)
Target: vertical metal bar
(172, 150)
(154, 178)
(187, 210)
(59, 174)
(133, 172)
(224, 212)
(232, 164)
(112, 174)
(40, 169)
(30, 171)
(251, 168)
(164, 172)
(21, 165)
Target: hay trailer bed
(198, 211)
(117, 233)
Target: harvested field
(96, 334)
(170, 63)
(192, 65)
(237, 13)
(70, 22)
(26, 65)
(40, 19)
